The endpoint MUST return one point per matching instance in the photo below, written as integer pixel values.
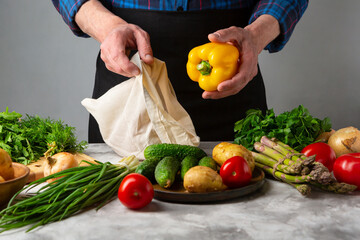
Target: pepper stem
(204, 67)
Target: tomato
(324, 154)
(347, 169)
(235, 172)
(135, 191)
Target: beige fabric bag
(141, 111)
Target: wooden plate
(178, 194)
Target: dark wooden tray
(178, 194)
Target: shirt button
(180, 9)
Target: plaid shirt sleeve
(287, 12)
(68, 10)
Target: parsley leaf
(297, 128)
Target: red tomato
(324, 154)
(235, 172)
(135, 191)
(347, 169)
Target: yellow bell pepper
(212, 63)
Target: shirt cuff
(68, 10)
(288, 13)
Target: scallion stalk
(78, 188)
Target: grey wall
(46, 70)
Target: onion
(59, 162)
(345, 140)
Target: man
(168, 30)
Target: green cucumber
(147, 168)
(208, 162)
(166, 170)
(187, 163)
(161, 150)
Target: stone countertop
(276, 211)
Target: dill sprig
(27, 139)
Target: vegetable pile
(27, 139)
(166, 164)
(296, 128)
(79, 188)
(288, 165)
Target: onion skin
(345, 140)
(324, 137)
(59, 162)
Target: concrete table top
(275, 211)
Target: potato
(225, 150)
(200, 179)
(6, 168)
(2, 179)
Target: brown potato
(6, 168)
(202, 179)
(225, 150)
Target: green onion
(78, 188)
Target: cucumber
(161, 150)
(147, 168)
(208, 162)
(187, 163)
(166, 170)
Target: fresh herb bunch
(27, 139)
(79, 188)
(296, 128)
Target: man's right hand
(117, 38)
(116, 47)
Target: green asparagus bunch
(285, 164)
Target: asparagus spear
(261, 158)
(336, 187)
(296, 181)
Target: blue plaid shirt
(287, 12)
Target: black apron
(172, 36)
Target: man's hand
(117, 37)
(116, 47)
(250, 42)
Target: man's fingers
(119, 64)
(226, 35)
(144, 46)
(217, 94)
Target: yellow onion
(59, 162)
(345, 140)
